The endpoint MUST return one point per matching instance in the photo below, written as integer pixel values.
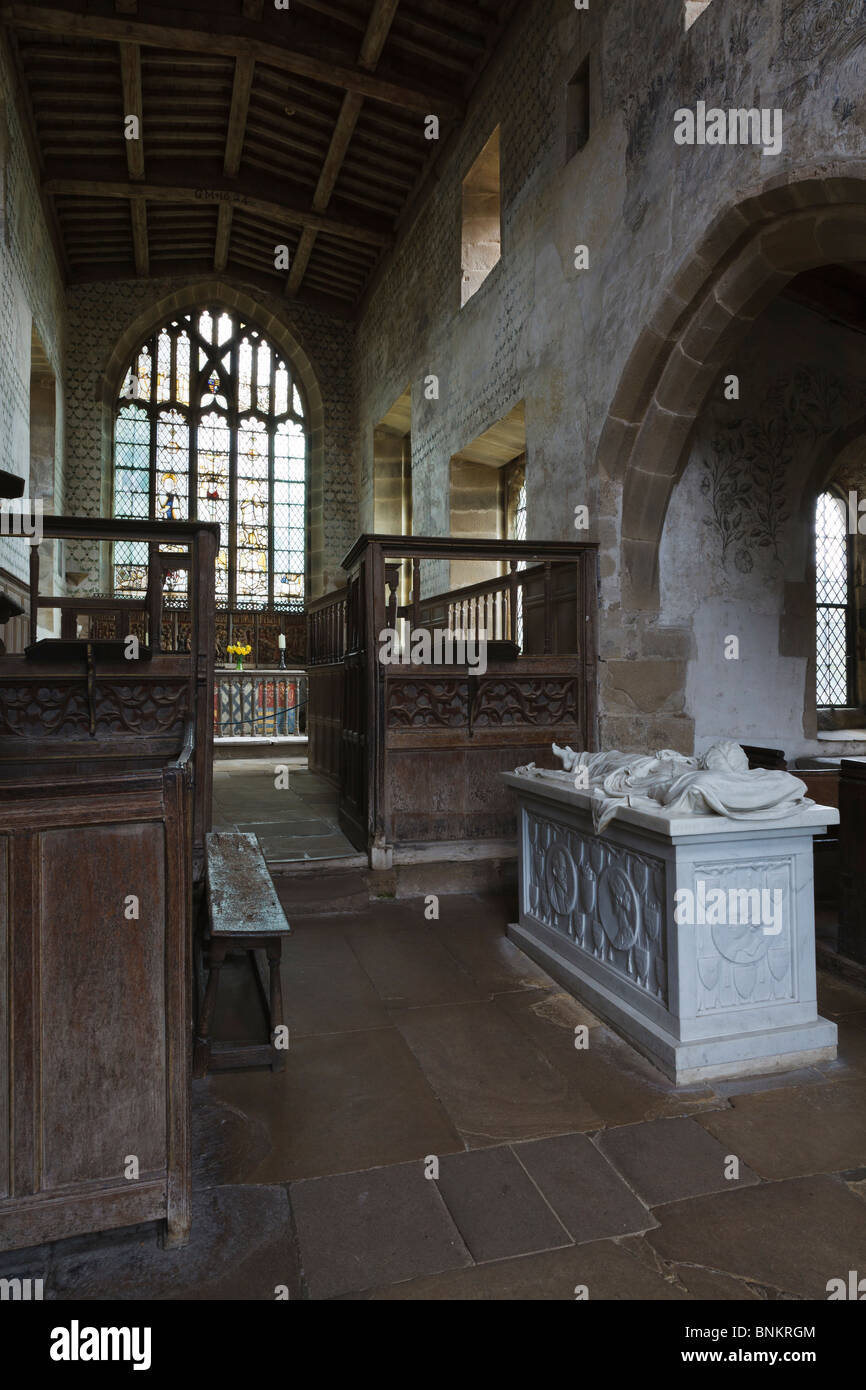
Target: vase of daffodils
(239, 651)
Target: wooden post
(512, 600)
(34, 591)
(154, 597)
(416, 593)
(548, 615)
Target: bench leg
(216, 956)
(274, 952)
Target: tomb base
(702, 998)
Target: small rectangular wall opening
(392, 469)
(482, 219)
(693, 10)
(577, 111)
(481, 504)
(392, 479)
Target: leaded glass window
(211, 426)
(831, 593)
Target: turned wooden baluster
(392, 576)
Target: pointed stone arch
(221, 294)
(745, 259)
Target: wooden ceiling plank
(459, 64)
(455, 35)
(76, 23)
(242, 86)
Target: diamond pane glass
(831, 592)
(208, 398)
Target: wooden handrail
(325, 600)
(499, 585)
(101, 603)
(446, 548)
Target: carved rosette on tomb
(605, 898)
(739, 964)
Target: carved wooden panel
(102, 991)
(4, 1016)
(452, 702)
(541, 701)
(62, 709)
(433, 703)
(99, 1071)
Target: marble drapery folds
(718, 782)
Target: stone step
(321, 891)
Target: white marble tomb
(693, 934)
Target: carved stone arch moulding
(221, 293)
(744, 260)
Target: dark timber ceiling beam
(241, 88)
(278, 213)
(193, 268)
(243, 82)
(130, 73)
(223, 236)
(138, 214)
(77, 23)
(379, 24)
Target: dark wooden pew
(105, 802)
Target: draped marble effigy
(675, 896)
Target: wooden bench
(243, 914)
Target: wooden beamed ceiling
(258, 128)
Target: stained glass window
(831, 593)
(210, 426)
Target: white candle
(281, 642)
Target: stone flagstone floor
(291, 823)
(558, 1167)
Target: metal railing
(260, 704)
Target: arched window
(832, 589)
(210, 426)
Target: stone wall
(106, 323)
(31, 295)
(612, 378)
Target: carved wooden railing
(419, 746)
(326, 628)
(326, 647)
